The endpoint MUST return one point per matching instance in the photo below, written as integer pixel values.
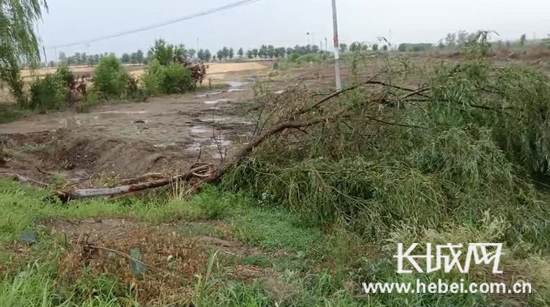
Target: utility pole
(336, 47)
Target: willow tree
(18, 41)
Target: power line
(158, 25)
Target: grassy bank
(301, 265)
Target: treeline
(93, 59)
(463, 39)
(265, 52)
(457, 40)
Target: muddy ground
(164, 134)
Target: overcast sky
(283, 22)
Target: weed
(11, 112)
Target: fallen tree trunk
(124, 189)
(216, 174)
(193, 173)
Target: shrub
(111, 79)
(170, 79)
(66, 75)
(85, 105)
(49, 93)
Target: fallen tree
(206, 174)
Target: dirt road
(129, 139)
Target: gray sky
(283, 22)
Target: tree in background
(315, 49)
(357, 47)
(262, 53)
(220, 54)
(166, 53)
(280, 52)
(450, 40)
(18, 41)
(374, 47)
(255, 52)
(207, 55)
(139, 56)
(270, 51)
(231, 53)
(191, 53)
(250, 54)
(343, 48)
(62, 58)
(200, 54)
(522, 40)
(125, 59)
(240, 52)
(463, 38)
(289, 50)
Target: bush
(49, 93)
(85, 105)
(66, 75)
(111, 79)
(170, 79)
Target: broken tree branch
(24, 179)
(142, 178)
(87, 193)
(205, 174)
(335, 94)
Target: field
(312, 213)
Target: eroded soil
(168, 133)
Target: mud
(165, 134)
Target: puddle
(194, 147)
(200, 129)
(216, 101)
(210, 144)
(235, 84)
(71, 122)
(164, 145)
(202, 96)
(220, 141)
(123, 112)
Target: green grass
(11, 112)
(312, 266)
(273, 230)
